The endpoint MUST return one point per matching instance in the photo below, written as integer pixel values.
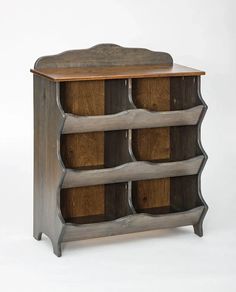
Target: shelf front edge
(115, 72)
(132, 171)
(131, 119)
(130, 224)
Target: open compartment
(94, 150)
(92, 204)
(94, 98)
(166, 143)
(166, 195)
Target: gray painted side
(198, 227)
(48, 169)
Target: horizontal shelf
(131, 223)
(132, 171)
(131, 119)
(103, 217)
(115, 72)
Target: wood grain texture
(104, 55)
(83, 98)
(123, 72)
(48, 171)
(131, 171)
(132, 223)
(148, 194)
(132, 119)
(83, 201)
(83, 150)
(151, 144)
(152, 94)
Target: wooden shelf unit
(117, 144)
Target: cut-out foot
(57, 249)
(198, 230)
(37, 235)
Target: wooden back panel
(104, 55)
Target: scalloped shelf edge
(130, 224)
(131, 119)
(132, 171)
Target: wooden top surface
(115, 72)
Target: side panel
(48, 170)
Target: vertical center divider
(130, 97)
(118, 149)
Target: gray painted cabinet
(117, 146)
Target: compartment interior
(109, 149)
(168, 195)
(95, 203)
(166, 143)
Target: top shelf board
(115, 72)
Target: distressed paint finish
(104, 55)
(131, 119)
(48, 169)
(130, 224)
(137, 170)
(67, 113)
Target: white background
(198, 33)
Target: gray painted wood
(131, 119)
(130, 224)
(104, 55)
(198, 227)
(48, 169)
(49, 172)
(138, 170)
(185, 93)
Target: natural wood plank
(115, 72)
(151, 144)
(132, 171)
(132, 119)
(148, 194)
(83, 98)
(83, 150)
(83, 201)
(132, 223)
(152, 94)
